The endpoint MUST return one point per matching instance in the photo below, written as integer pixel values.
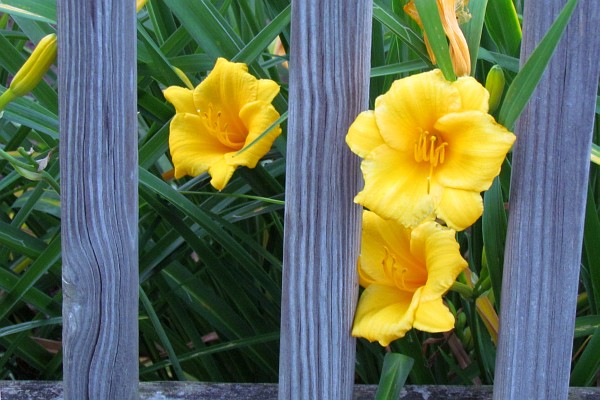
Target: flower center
(219, 128)
(430, 148)
(394, 273)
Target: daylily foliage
(221, 117)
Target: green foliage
(396, 368)
(210, 262)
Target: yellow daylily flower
(217, 122)
(405, 273)
(452, 13)
(429, 148)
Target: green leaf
(586, 325)
(36, 270)
(432, 24)
(494, 226)
(29, 325)
(595, 154)
(19, 241)
(217, 348)
(43, 11)
(502, 23)
(396, 368)
(414, 41)
(162, 69)
(254, 48)
(506, 62)
(215, 226)
(525, 82)
(161, 334)
(20, 12)
(586, 368)
(399, 68)
(591, 235)
(472, 30)
(207, 27)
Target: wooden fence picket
(98, 157)
(547, 207)
(329, 73)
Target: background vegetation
(210, 263)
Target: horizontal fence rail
(25, 390)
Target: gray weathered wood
(547, 206)
(27, 390)
(97, 86)
(329, 72)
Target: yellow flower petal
(181, 98)
(363, 135)
(473, 96)
(220, 173)
(405, 272)
(386, 241)
(414, 103)
(226, 90)
(396, 187)
(433, 316)
(435, 137)
(384, 314)
(192, 150)
(257, 117)
(459, 208)
(224, 114)
(372, 251)
(477, 146)
(266, 90)
(443, 259)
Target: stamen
(391, 270)
(428, 148)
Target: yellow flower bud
(184, 78)
(139, 4)
(32, 72)
(494, 84)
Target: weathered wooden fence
(547, 209)
(98, 146)
(328, 88)
(329, 75)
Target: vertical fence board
(97, 86)
(329, 71)
(547, 207)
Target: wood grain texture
(547, 207)
(98, 154)
(329, 72)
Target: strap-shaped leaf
(527, 79)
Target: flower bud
(139, 4)
(494, 83)
(183, 78)
(32, 72)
